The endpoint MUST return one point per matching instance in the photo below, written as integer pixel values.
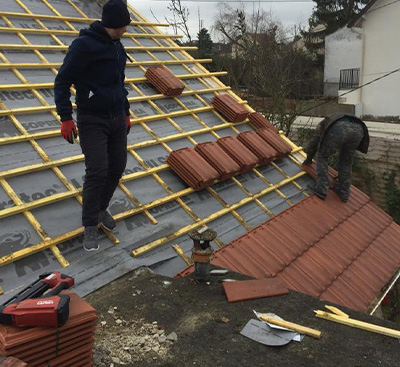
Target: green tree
(328, 16)
(335, 14)
(204, 43)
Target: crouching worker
(343, 133)
(95, 64)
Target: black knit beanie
(115, 14)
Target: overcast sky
(290, 13)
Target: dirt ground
(149, 320)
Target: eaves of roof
(342, 253)
(358, 17)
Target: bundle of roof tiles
(260, 122)
(229, 108)
(219, 159)
(164, 81)
(275, 141)
(239, 153)
(68, 346)
(192, 168)
(264, 152)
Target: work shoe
(342, 196)
(106, 220)
(313, 189)
(91, 238)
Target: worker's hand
(68, 131)
(307, 162)
(128, 124)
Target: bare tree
(180, 19)
(263, 64)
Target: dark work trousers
(103, 142)
(344, 136)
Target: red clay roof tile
(192, 168)
(229, 108)
(264, 152)
(251, 289)
(219, 159)
(343, 253)
(312, 171)
(275, 141)
(260, 122)
(11, 362)
(164, 81)
(239, 153)
(40, 346)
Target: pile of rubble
(121, 342)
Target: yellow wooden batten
(127, 80)
(75, 33)
(50, 65)
(72, 19)
(5, 46)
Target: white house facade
(367, 49)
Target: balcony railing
(349, 78)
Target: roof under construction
(41, 175)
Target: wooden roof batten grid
(199, 72)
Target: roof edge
(358, 17)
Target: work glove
(128, 124)
(307, 162)
(68, 131)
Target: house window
(349, 78)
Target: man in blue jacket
(95, 64)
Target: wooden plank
(336, 311)
(292, 326)
(358, 324)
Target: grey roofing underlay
(92, 270)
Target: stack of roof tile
(264, 152)
(192, 168)
(68, 346)
(239, 153)
(275, 141)
(219, 159)
(229, 108)
(260, 122)
(164, 81)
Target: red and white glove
(128, 124)
(68, 131)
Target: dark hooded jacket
(323, 127)
(95, 64)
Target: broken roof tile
(264, 152)
(219, 159)
(232, 110)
